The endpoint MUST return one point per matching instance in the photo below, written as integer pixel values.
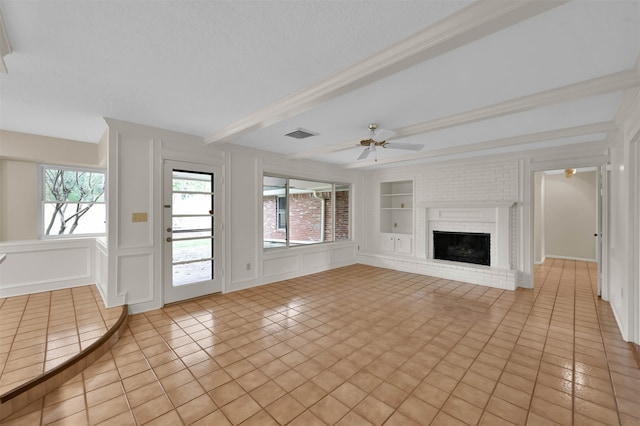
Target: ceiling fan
(377, 138)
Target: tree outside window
(73, 201)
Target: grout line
(536, 296)
(555, 299)
(573, 363)
(613, 390)
(527, 308)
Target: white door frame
(527, 215)
(634, 240)
(170, 293)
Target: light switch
(138, 217)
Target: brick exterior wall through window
(305, 217)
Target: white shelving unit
(396, 207)
(396, 216)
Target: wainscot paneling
(36, 266)
(135, 277)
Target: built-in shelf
(396, 207)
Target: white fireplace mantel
(494, 212)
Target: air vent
(301, 134)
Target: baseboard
(24, 289)
(577, 259)
(504, 279)
(635, 348)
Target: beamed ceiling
(461, 78)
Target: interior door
(192, 224)
(602, 234)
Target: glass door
(192, 248)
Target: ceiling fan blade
(382, 135)
(365, 153)
(407, 146)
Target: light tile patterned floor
(362, 345)
(40, 331)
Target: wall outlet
(138, 217)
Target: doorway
(569, 214)
(191, 225)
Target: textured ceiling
(200, 66)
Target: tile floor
(362, 345)
(40, 331)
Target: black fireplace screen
(468, 247)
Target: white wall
(36, 266)
(135, 258)
(539, 251)
(624, 239)
(570, 207)
(20, 156)
(19, 205)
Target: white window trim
(41, 200)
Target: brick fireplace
(492, 219)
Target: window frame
(333, 184)
(281, 224)
(42, 201)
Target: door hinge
(222, 273)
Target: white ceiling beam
(567, 132)
(5, 47)
(598, 86)
(477, 20)
(624, 107)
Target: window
(298, 212)
(72, 201)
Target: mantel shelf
(402, 194)
(465, 204)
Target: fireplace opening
(468, 247)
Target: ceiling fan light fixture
(378, 138)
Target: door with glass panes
(192, 230)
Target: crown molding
(497, 143)
(597, 86)
(477, 20)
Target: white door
(192, 230)
(602, 235)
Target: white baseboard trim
(577, 259)
(243, 285)
(22, 290)
(505, 279)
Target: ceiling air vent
(301, 134)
